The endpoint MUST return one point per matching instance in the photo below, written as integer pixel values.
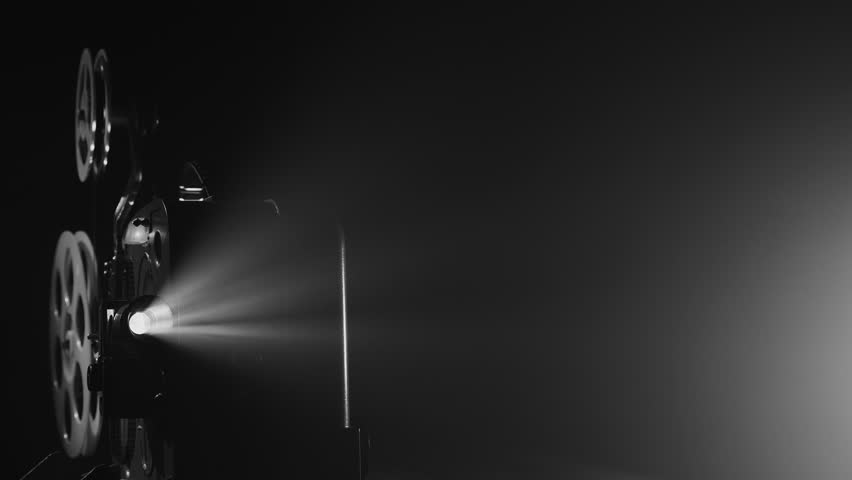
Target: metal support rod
(346, 423)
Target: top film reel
(92, 120)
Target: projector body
(153, 408)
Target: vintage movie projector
(137, 405)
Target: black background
(596, 243)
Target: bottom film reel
(73, 310)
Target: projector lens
(139, 323)
(153, 319)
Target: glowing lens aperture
(139, 323)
